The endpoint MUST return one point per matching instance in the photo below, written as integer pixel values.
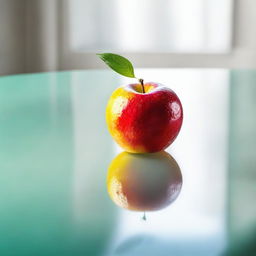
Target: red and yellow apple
(144, 118)
(144, 182)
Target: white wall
(12, 36)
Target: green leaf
(118, 63)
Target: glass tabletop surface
(55, 151)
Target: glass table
(55, 151)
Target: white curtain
(29, 36)
(41, 21)
(12, 41)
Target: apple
(144, 182)
(144, 118)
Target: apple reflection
(144, 182)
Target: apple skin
(144, 182)
(144, 122)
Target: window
(173, 26)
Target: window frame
(236, 58)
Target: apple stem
(142, 84)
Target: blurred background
(47, 35)
(216, 143)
